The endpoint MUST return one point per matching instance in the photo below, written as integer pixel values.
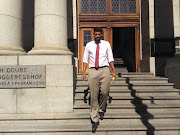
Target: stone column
(176, 16)
(151, 18)
(50, 27)
(11, 27)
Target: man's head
(97, 34)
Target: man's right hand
(84, 71)
(84, 77)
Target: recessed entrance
(124, 46)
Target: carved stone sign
(22, 77)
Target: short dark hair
(97, 29)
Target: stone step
(65, 116)
(166, 132)
(110, 106)
(156, 90)
(79, 75)
(160, 98)
(153, 86)
(152, 94)
(134, 86)
(77, 120)
(159, 131)
(163, 110)
(118, 79)
(152, 81)
(114, 86)
(147, 78)
(133, 80)
(112, 90)
(129, 110)
(166, 128)
(119, 64)
(166, 101)
(161, 114)
(128, 100)
(113, 95)
(165, 120)
(117, 59)
(155, 107)
(113, 101)
(121, 67)
(111, 83)
(89, 133)
(144, 99)
(132, 106)
(126, 110)
(130, 73)
(69, 127)
(119, 70)
(135, 74)
(151, 98)
(118, 89)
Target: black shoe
(101, 114)
(94, 126)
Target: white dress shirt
(105, 53)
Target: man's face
(97, 36)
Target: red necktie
(97, 56)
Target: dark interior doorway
(124, 46)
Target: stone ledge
(9, 60)
(45, 60)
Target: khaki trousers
(98, 80)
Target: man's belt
(99, 67)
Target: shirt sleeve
(109, 54)
(86, 55)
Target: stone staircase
(141, 104)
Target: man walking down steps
(100, 54)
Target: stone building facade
(48, 33)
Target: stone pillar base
(8, 52)
(49, 51)
(148, 65)
(4, 50)
(56, 97)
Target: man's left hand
(114, 74)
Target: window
(93, 6)
(123, 6)
(87, 36)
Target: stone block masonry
(56, 96)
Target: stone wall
(172, 71)
(57, 96)
(176, 15)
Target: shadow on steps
(141, 109)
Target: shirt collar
(96, 43)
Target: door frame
(82, 47)
(108, 26)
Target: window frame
(108, 10)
